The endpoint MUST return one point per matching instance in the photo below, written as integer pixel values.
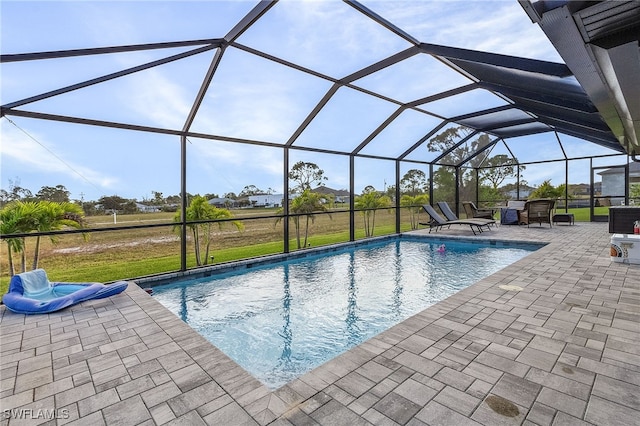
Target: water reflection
(286, 333)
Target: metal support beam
(285, 202)
(397, 196)
(108, 77)
(183, 203)
(352, 201)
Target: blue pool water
(281, 320)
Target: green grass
(133, 268)
(139, 262)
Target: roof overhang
(600, 43)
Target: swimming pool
(279, 321)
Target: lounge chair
(450, 215)
(537, 211)
(475, 213)
(438, 221)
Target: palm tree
(304, 205)
(413, 203)
(40, 216)
(200, 210)
(10, 224)
(52, 216)
(21, 218)
(368, 202)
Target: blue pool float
(32, 293)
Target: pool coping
(562, 349)
(239, 265)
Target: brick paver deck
(550, 340)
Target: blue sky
(249, 98)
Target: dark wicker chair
(537, 211)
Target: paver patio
(553, 339)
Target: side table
(563, 217)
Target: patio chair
(537, 211)
(450, 215)
(438, 221)
(473, 212)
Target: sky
(249, 97)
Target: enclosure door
(609, 187)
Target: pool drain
(502, 406)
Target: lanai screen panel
(335, 168)
(266, 105)
(433, 144)
(328, 37)
(534, 148)
(577, 148)
(260, 166)
(402, 133)
(380, 174)
(464, 103)
(160, 96)
(413, 78)
(462, 153)
(345, 121)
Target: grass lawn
(125, 254)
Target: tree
(158, 199)
(16, 192)
(546, 190)
(41, 216)
(198, 211)
(499, 168)
(413, 182)
(250, 190)
(52, 216)
(112, 203)
(634, 192)
(11, 223)
(59, 194)
(306, 174)
(305, 205)
(368, 202)
(414, 205)
(444, 177)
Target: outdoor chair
(450, 215)
(537, 211)
(437, 221)
(473, 212)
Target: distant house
(339, 195)
(613, 182)
(223, 203)
(148, 209)
(266, 200)
(512, 194)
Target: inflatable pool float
(32, 293)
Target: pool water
(282, 320)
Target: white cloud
(22, 155)
(158, 98)
(492, 26)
